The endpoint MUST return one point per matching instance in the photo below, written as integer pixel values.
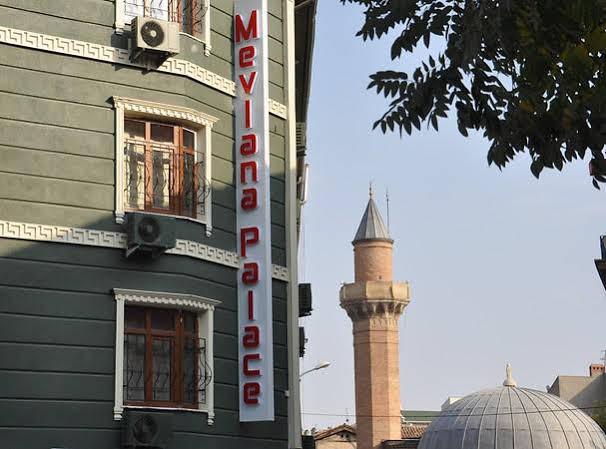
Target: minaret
(374, 302)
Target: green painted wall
(57, 323)
(59, 108)
(57, 335)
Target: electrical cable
(523, 412)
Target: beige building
(340, 437)
(584, 392)
(344, 437)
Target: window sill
(120, 218)
(210, 420)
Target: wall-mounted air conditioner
(149, 234)
(157, 39)
(143, 430)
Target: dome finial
(370, 194)
(510, 381)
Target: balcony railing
(189, 13)
(160, 178)
(158, 384)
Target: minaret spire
(372, 226)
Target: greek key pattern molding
(278, 109)
(109, 239)
(89, 50)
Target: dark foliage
(529, 73)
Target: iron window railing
(165, 364)
(162, 178)
(190, 14)
(160, 380)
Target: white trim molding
(168, 300)
(294, 384)
(122, 25)
(200, 122)
(113, 55)
(204, 307)
(278, 109)
(149, 108)
(109, 239)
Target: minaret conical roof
(372, 226)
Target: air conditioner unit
(305, 300)
(149, 234)
(147, 430)
(155, 38)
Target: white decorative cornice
(279, 272)
(61, 234)
(172, 300)
(205, 252)
(278, 109)
(165, 110)
(110, 239)
(89, 50)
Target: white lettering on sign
(253, 211)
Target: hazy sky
(501, 265)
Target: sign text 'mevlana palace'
(253, 215)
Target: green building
(121, 218)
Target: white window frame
(204, 307)
(196, 121)
(123, 25)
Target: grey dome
(512, 418)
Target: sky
(501, 265)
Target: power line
(523, 412)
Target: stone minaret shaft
(374, 302)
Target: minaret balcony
(367, 298)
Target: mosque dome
(509, 417)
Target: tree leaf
(531, 76)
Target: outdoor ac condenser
(305, 308)
(147, 430)
(149, 233)
(154, 39)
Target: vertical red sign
(253, 211)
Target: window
(163, 158)
(164, 360)
(164, 352)
(190, 14)
(161, 172)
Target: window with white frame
(163, 158)
(164, 358)
(161, 172)
(164, 352)
(193, 16)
